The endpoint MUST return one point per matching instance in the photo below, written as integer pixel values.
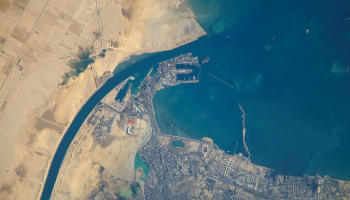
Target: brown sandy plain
(87, 163)
(37, 40)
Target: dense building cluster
(169, 72)
(198, 169)
(102, 120)
(191, 173)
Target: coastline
(320, 182)
(289, 129)
(69, 126)
(37, 78)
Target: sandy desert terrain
(89, 162)
(38, 39)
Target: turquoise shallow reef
(287, 63)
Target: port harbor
(183, 168)
(178, 70)
(200, 170)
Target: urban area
(185, 168)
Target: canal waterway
(138, 67)
(286, 62)
(126, 69)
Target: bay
(287, 63)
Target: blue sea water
(287, 63)
(138, 67)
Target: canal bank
(137, 67)
(294, 87)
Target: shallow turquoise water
(139, 163)
(177, 143)
(288, 63)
